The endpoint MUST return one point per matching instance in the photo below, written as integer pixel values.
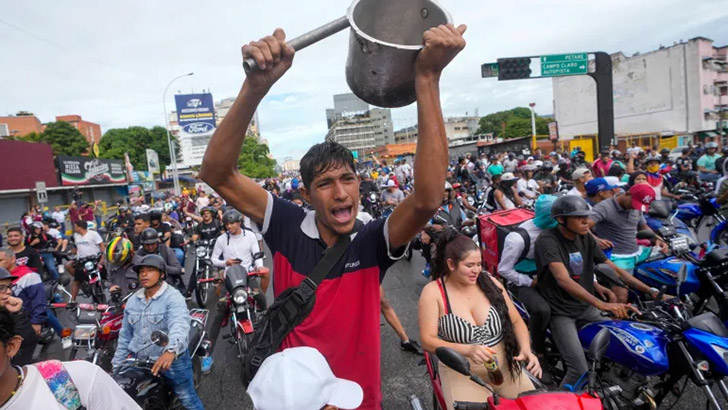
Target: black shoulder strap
(526, 240)
(444, 292)
(332, 256)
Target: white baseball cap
(391, 184)
(299, 378)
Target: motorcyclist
(461, 196)
(119, 256)
(151, 245)
(235, 247)
(580, 177)
(602, 165)
(41, 242)
(367, 185)
(208, 228)
(520, 272)
(706, 163)
(527, 187)
(505, 194)
(158, 306)
(546, 178)
(565, 260)
(155, 221)
(141, 222)
(615, 223)
(88, 243)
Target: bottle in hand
(496, 376)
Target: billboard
(90, 171)
(195, 113)
(152, 161)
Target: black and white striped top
(453, 328)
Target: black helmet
(155, 215)
(570, 205)
(664, 151)
(210, 209)
(149, 236)
(547, 166)
(685, 150)
(154, 261)
(231, 216)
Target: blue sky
(110, 62)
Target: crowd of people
(334, 231)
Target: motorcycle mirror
(160, 338)
(453, 360)
(133, 285)
(682, 273)
(599, 344)
(606, 273)
(259, 255)
(646, 234)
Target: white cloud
(110, 62)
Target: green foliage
(63, 138)
(135, 141)
(517, 123)
(253, 160)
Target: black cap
(4, 274)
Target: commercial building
(405, 135)
(291, 165)
(193, 147)
(460, 128)
(358, 127)
(22, 123)
(678, 92)
(90, 130)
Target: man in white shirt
(60, 217)
(527, 187)
(88, 243)
(202, 200)
(580, 177)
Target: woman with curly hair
(470, 312)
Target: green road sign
(489, 70)
(564, 64)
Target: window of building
(4, 131)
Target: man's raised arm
(219, 166)
(441, 45)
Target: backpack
(60, 384)
(493, 229)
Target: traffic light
(514, 68)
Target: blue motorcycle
(664, 344)
(706, 210)
(662, 214)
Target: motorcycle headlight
(88, 265)
(721, 351)
(373, 196)
(201, 252)
(240, 296)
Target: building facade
(460, 128)
(90, 130)
(20, 124)
(353, 124)
(676, 90)
(405, 135)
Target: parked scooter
(153, 392)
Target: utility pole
(533, 126)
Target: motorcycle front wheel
(97, 293)
(201, 290)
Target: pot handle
(305, 40)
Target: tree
(135, 141)
(253, 160)
(517, 123)
(63, 138)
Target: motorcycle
(245, 303)
(189, 226)
(97, 329)
(54, 291)
(152, 392)
(590, 398)
(654, 350)
(371, 204)
(203, 270)
(696, 214)
(662, 213)
(93, 284)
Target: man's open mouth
(342, 214)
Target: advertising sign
(152, 161)
(195, 113)
(90, 171)
(553, 131)
(144, 178)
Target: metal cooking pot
(385, 37)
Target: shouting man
(344, 323)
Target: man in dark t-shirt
(565, 258)
(24, 255)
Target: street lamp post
(172, 153)
(533, 125)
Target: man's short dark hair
(15, 229)
(143, 217)
(81, 224)
(323, 157)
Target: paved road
(402, 375)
